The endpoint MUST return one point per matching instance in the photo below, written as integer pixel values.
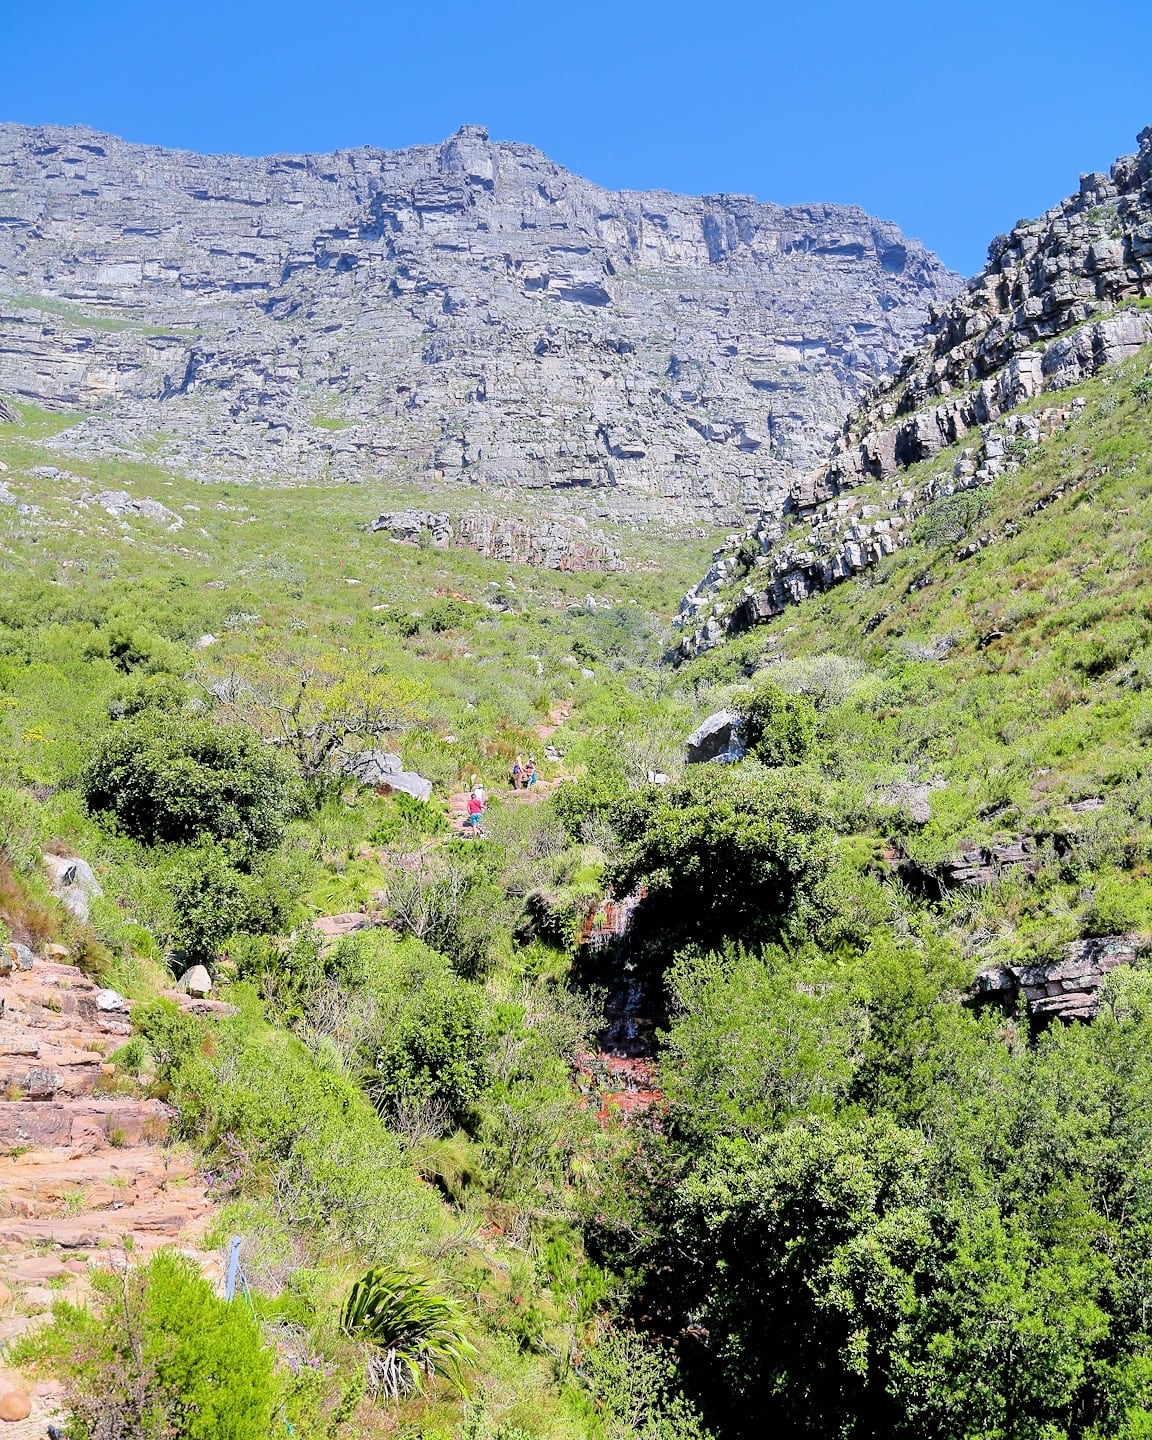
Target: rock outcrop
(467, 311)
(547, 543)
(1060, 298)
(1064, 989)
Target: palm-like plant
(411, 1332)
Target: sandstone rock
(549, 543)
(385, 771)
(119, 503)
(73, 882)
(196, 981)
(717, 738)
(20, 956)
(15, 1400)
(1064, 989)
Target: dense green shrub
(777, 728)
(432, 1051)
(164, 778)
(131, 646)
(160, 692)
(742, 853)
(213, 899)
(209, 901)
(161, 1355)
(171, 1036)
(591, 798)
(273, 1118)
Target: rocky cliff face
(546, 544)
(466, 311)
(1060, 298)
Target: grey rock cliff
(1053, 305)
(459, 312)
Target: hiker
(530, 775)
(479, 792)
(475, 811)
(518, 773)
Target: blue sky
(953, 120)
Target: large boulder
(384, 770)
(718, 738)
(71, 880)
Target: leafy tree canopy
(166, 778)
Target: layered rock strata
(1069, 988)
(548, 543)
(1061, 298)
(469, 311)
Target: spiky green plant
(410, 1331)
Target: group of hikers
(524, 775)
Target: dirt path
(458, 801)
(82, 1164)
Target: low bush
(160, 1357)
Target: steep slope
(468, 311)
(1061, 298)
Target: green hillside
(861, 1204)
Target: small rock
(196, 981)
(15, 1402)
(22, 957)
(110, 1000)
(56, 952)
(204, 642)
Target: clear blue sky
(952, 119)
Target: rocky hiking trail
(84, 1169)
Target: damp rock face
(462, 312)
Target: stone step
(98, 1229)
(85, 1124)
(44, 1183)
(55, 1073)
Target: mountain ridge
(1062, 297)
(467, 311)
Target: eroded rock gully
(467, 311)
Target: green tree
(165, 778)
(741, 853)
